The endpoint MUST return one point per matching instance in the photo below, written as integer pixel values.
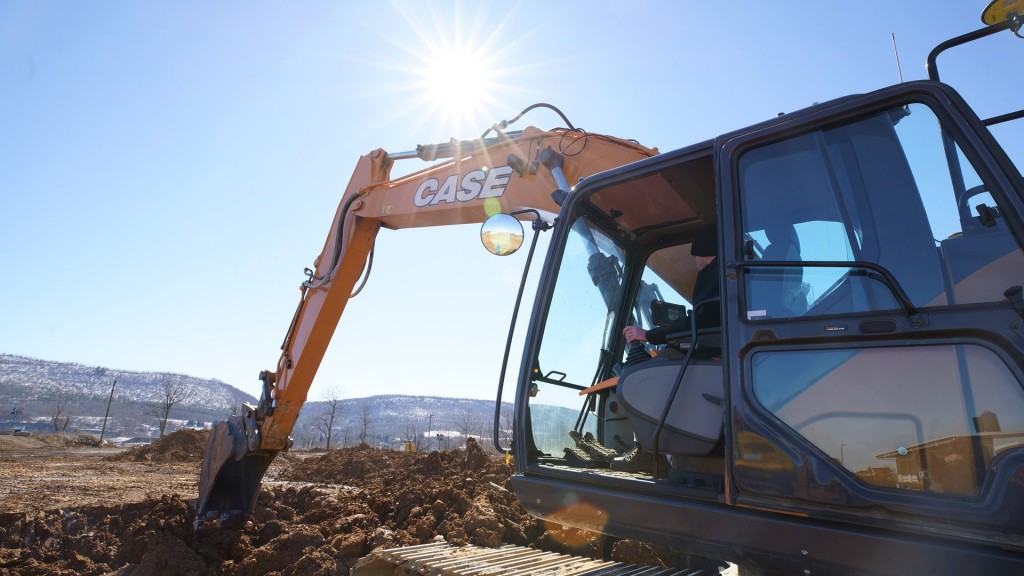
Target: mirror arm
(932, 64)
(538, 223)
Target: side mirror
(999, 11)
(502, 234)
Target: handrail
(539, 225)
(913, 314)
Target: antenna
(897, 53)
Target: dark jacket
(708, 315)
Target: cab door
(874, 260)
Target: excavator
(856, 407)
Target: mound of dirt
(32, 441)
(330, 511)
(180, 446)
(463, 496)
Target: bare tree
(507, 424)
(320, 423)
(307, 435)
(465, 423)
(174, 392)
(60, 413)
(324, 421)
(413, 437)
(365, 420)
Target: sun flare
(458, 82)
(462, 66)
(456, 79)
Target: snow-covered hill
(31, 390)
(31, 379)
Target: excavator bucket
(229, 480)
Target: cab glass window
(926, 418)
(583, 308)
(890, 193)
(577, 335)
(668, 275)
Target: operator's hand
(634, 334)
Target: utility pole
(111, 399)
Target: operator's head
(705, 246)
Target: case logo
(473, 185)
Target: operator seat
(783, 293)
(693, 424)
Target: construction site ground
(69, 508)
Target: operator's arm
(658, 334)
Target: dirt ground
(69, 508)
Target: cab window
(660, 299)
(892, 190)
(925, 418)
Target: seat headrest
(782, 234)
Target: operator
(706, 288)
(704, 250)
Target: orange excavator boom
(474, 179)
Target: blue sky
(167, 170)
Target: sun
(457, 77)
(458, 81)
(461, 65)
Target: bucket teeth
(229, 480)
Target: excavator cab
(861, 407)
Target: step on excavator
(856, 406)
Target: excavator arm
(474, 179)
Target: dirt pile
(463, 496)
(328, 511)
(180, 446)
(26, 441)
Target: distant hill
(394, 419)
(41, 378)
(32, 387)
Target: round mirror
(999, 11)
(501, 234)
